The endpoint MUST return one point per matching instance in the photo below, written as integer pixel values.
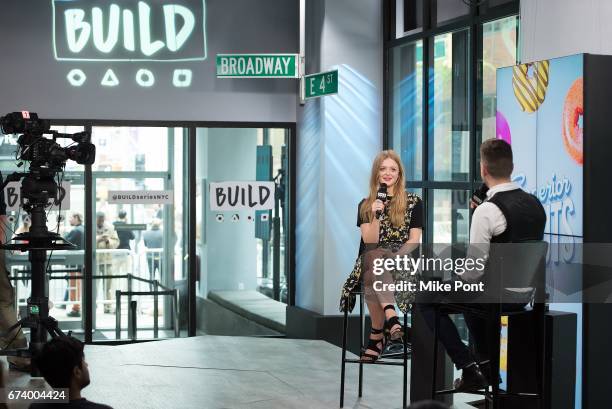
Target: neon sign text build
(129, 32)
(86, 30)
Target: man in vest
(507, 214)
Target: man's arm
(487, 221)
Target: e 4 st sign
(320, 84)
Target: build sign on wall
(127, 31)
(241, 196)
(144, 59)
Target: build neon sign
(138, 33)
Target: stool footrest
(518, 394)
(450, 391)
(377, 362)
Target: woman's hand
(377, 205)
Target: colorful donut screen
(572, 121)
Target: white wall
(338, 139)
(555, 28)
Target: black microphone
(382, 196)
(480, 194)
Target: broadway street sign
(257, 66)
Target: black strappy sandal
(373, 345)
(394, 321)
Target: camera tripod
(37, 241)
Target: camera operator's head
(62, 363)
(496, 163)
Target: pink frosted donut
(502, 128)
(573, 110)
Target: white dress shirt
(487, 221)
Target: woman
(396, 232)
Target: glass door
(139, 278)
(242, 252)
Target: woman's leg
(373, 297)
(384, 297)
(377, 315)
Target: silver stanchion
(155, 310)
(177, 329)
(132, 326)
(118, 314)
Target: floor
(216, 372)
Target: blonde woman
(388, 229)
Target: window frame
(473, 22)
(189, 181)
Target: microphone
(382, 196)
(480, 194)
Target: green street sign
(257, 66)
(320, 84)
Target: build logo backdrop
(144, 59)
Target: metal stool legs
(361, 336)
(435, 352)
(343, 370)
(405, 384)
(361, 363)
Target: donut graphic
(573, 111)
(502, 128)
(530, 87)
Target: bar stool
(381, 361)
(529, 261)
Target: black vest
(525, 216)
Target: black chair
(385, 358)
(510, 265)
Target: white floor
(215, 372)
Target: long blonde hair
(397, 206)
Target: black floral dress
(390, 237)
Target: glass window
(130, 148)
(498, 50)
(450, 216)
(408, 17)
(450, 9)
(449, 108)
(406, 107)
